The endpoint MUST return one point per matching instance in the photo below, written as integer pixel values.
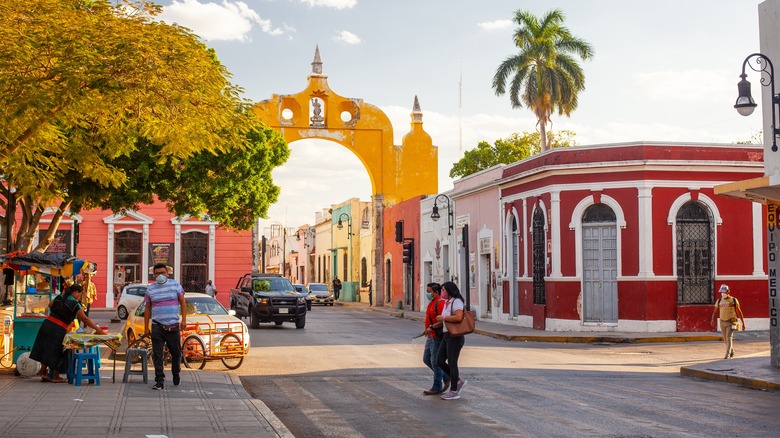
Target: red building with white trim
(630, 237)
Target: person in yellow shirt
(90, 292)
(728, 308)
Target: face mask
(444, 294)
(428, 296)
(724, 295)
(161, 279)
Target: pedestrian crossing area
(515, 403)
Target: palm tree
(546, 75)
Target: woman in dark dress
(47, 348)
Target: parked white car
(132, 295)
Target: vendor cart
(38, 278)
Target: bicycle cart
(212, 340)
(212, 333)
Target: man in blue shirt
(164, 304)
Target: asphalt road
(353, 373)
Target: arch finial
(316, 65)
(416, 111)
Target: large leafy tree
(507, 150)
(87, 84)
(545, 76)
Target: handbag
(464, 327)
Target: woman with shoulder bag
(451, 345)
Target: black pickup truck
(268, 298)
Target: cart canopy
(53, 264)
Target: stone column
(378, 288)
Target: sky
(663, 70)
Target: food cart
(38, 278)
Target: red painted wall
(638, 299)
(409, 212)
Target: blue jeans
(429, 357)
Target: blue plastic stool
(89, 360)
(96, 349)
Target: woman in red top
(47, 348)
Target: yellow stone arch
(397, 173)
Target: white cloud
(347, 37)
(335, 4)
(226, 21)
(496, 24)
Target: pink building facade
(125, 247)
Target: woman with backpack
(434, 333)
(451, 345)
(728, 308)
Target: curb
(729, 378)
(261, 407)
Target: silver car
(320, 294)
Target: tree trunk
(53, 226)
(543, 135)
(30, 219)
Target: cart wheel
(193, 352)
(7, 360)
(231, 345)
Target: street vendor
(47, 348)
(90, 292)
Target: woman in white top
(451, 345)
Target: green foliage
(233, 188)
(545, 77)
(504, 151)
(757, 137)
(98, 99)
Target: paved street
(358, 373)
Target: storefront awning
(762, 189)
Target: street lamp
(435, 213)
(745, 103)
(340, 226)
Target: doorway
(599, 261)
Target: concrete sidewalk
(205, 404)
(751, 372)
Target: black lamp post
(340, 226)
(745, 103)
(435, 213)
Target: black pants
(161, 338)
(449, 352)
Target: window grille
(539, 261)
(194, 261)
(695, 281)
